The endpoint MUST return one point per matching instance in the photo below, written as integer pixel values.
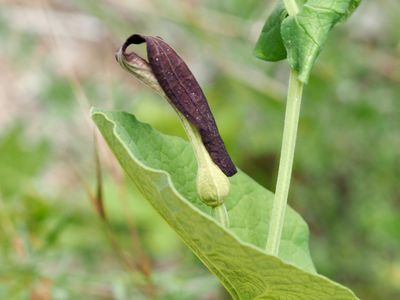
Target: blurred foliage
(57, 60)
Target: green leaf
(164, 168)
(304, 34)
(270, 46)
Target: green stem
(295, 90)
(221, 215)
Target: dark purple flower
(184, 93)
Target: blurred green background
(57, 60)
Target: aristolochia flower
(167, 70)
(168, 74)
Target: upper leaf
(270, 44)
(164, 170)
(304, 34)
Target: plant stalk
(293, 104)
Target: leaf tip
(93, 110)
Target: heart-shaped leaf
(304, 34)
(164, 168)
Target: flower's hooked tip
(121, 55)
(134, 39)
(137, 65)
